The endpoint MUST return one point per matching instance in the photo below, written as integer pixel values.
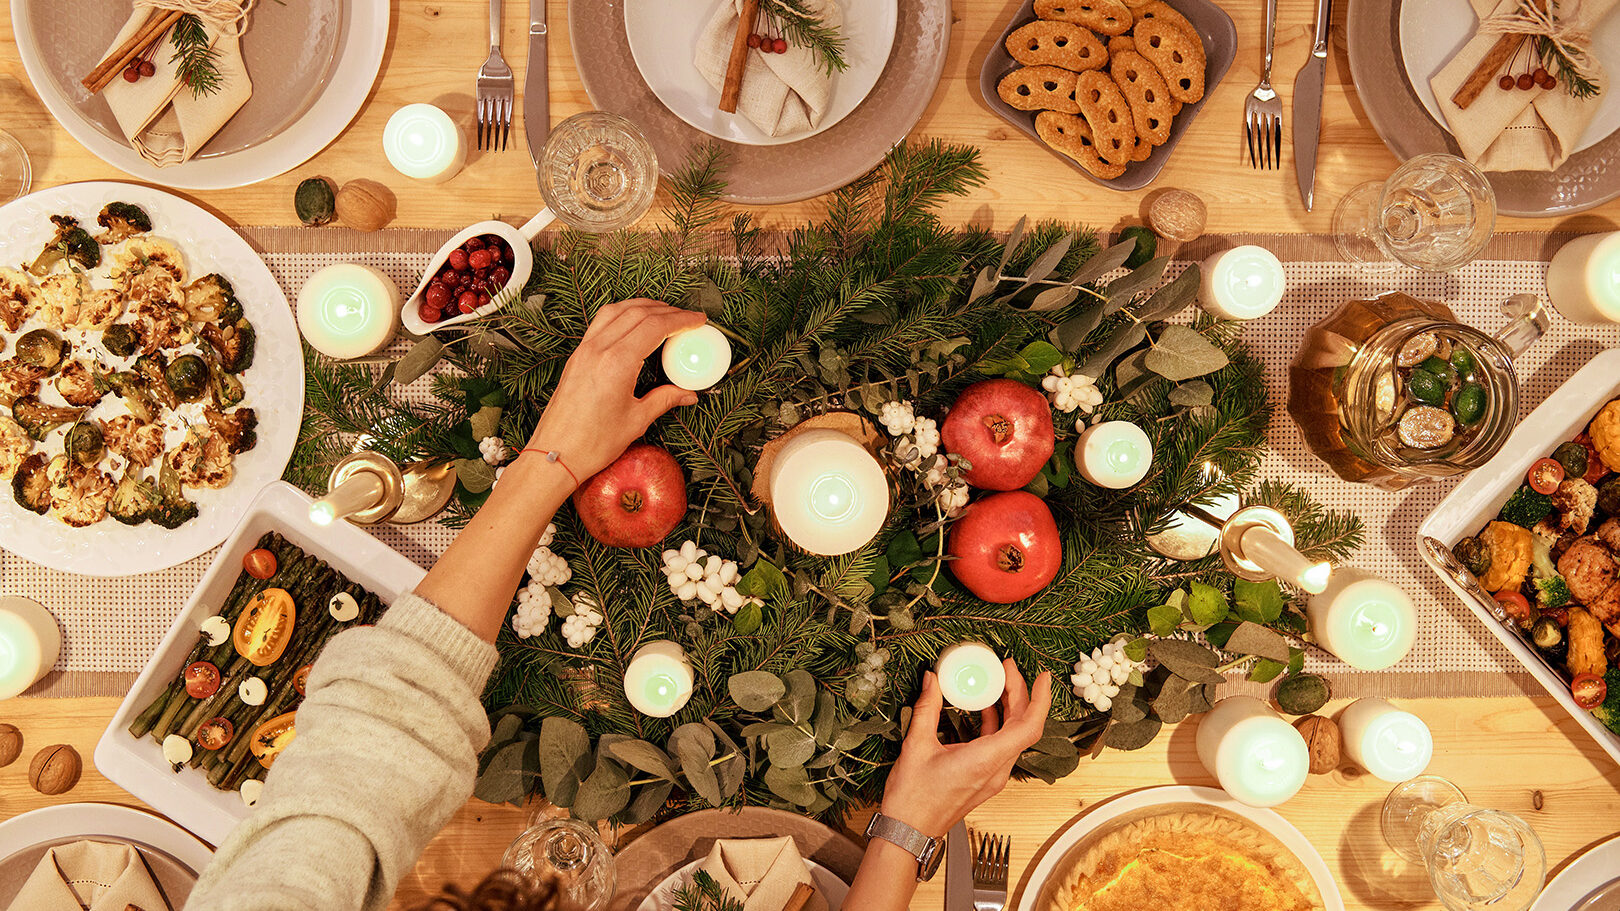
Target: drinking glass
(598, 172)
(1478, 859)
(1435, 213)
(570, 853)
(16, 174)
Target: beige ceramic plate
(772, 174)
(173, 855)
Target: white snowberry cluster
(533, 613)
(953, 498)
(902, 423)
(697, 575)
(547, 567)
(898, 418)
(1069, 391)
(493, 449)
(581, 627)
(1098, 676)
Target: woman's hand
(933, 786)
(594, 414)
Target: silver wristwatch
(925, 849)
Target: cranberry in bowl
(476, 272)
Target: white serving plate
(1268, 820)
(1478, 499)
(827, 883)
(138, 766)
(1583, 876)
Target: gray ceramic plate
(1585, 180)
(782, 173)
(1220, 46)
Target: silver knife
(958, 870)
(1308, 105)
(536, 96)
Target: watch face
(929, 862)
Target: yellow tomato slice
(270, 738)
(265, 627)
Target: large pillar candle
(347, 310)
(658, 680)
(829, 495)
(1391, 744)
(970, 676)
(1583, 279)
(1257, 757)
(1368, 623)
(30, 643)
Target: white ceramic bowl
(1479, 498)
(522, 267)
(138, 765)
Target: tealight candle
(970, 676)
(30, 643)
(697, 358)
(1391, 744)
(829, 495)
(1258, 758)
(1583, 279)
(421, 141)
(348, 310)
(659, 681)
(1367, 622)
(1241, 283)
(1114, 454)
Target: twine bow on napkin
(1519, 130)
(762, 873)
(782, 94)
(90, 876)
(164, 119)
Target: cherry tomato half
(202, 680)
(301, 679)
(1515, 604)
(1589, 690)
(265, 627)
(214, 734)
(1545, 476)
(259, 563)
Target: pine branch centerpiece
(805, 666)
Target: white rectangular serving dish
(1478, 499)
(138, 765)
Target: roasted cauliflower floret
(61, 296)
(15, 446)
(19, 298)
(101, 309)
(136, 440)
(143, 253)
(18, 379)
(1510, 556)
(79, 493)
(1575, 501)
(203, 460)
(77, 384)
(237, 428)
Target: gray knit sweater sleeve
(386, 752)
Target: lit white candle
(1114, 454)
(30, 643)
(1276, 555)
(348, 310)
(970, 676)
(1391, 744)
(659, 680)
(1583, 279)
(1241, 283)
(1258, 758)
(697, 358)
(828, 493)
(421, 141)
(1367, 622)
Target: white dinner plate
(826, 882)
(663, 33)
(275, 385)
(323, 55)
(1267, 820)
(1432, 31)
(1578, 882)
(103, 820)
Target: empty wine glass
(598, 172)
(570, 853)
(1435, 213)
(16, 174)
(1477, 858)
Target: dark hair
(502, 890)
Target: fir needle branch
(796, 22)
(1563, 70)
(195, 58)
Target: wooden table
(1517, 754)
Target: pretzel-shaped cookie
(1069, 135)
(1178, 57)
(1064, 44)
(1145, 89)
(1108, 114)
(1040, 88)
(1105, 17)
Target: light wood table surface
(1517, 754)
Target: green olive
(1573, 457)
(1463, 360)
(1468, 405)
(1426, 387)
(1440, 368)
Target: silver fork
(1262, 110)
(495, 89)
(990, 871)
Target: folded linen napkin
(760, 872)
(90, 876)
(161, 117)
(782, 94)
(1535, 130)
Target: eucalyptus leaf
(1206, 604)
(1068, 335)
(423, 356)
(1130, 704)
(1117, 343)
(983, 284)
(646, 803)
(604, 793)
(791, 784)
(1132, 736)
(486, 422)
(385, 377)
(695, 746)
(825, 727)
(1196, 394)
(1103, 262)
(756, 691)
(1014, 238)
(1143, 277)
(763, 580)
(1174, 701)
(1044, 265)
(506, 728)
(639, 754)
(789, 746)
(1172, 298)
(505, 777)
(1181, 353)
(1258, 602)
(801, 695)
(1265, 670)
(748, 619)
(1186, 659)
(706, 296)
(476, 475)
(564, 758)
(1054, 298)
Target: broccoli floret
(212, 299)
(133, 500)
(234, 342)
(1526, 507)
(151, 369)
(30, 486)
(1609, 711)
(239, 429)
(70, 242)
(226, 388)
(122, 220)
(129, 387)
(39, 419)
(173, 509)
(1552, 592)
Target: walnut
(1177, 215)
(55, 769)
(365, 205)
(11, 744)
(1325, 741)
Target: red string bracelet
(554, 456)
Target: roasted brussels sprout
(38, 418)
(173, 509)
(121, 339)
(84, 443)
(187, 377)
(234, 343)
(41, 348)
(30, 487)
(133, 500)
(1548, 637)
(70, 242)
(211, 299)
(152, 369)
(1608, 501)
(1573, 457)
(122, 220)
(1474, 554)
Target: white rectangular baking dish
(138, 765)
(1478, 499)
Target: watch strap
(913, 842)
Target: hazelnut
(1323, 739)
(11, 744)
(365, 205)
(55, 769)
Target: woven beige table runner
(112, 626)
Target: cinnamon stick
(732, 88)
(157, 23)
(799, 898)
(1485, 74)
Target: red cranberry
(457, 260)
(780, 46)
(429, 313)
(479, 259)
(132, 74)
(437, 295)
(483, 298)
(147, 68)
(467, 301)
(473, 243)
(465, 307)
(493, 241)
(501, 276)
